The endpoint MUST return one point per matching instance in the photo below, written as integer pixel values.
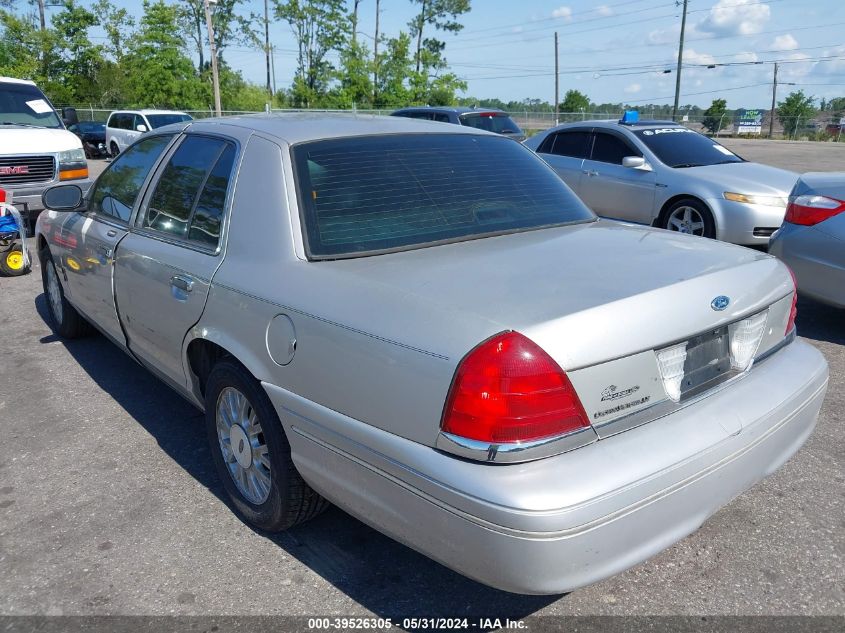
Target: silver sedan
(812, 238)
(423, 325)
(662, 174)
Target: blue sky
(616, 50)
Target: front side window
(160, 120)
(117, 189)
(189, 198)
(608, 148)
(373, 194)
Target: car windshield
(23, 104)
(498, 122)
(87, 127)
(160, 120)
(680, 147)
(366, 195)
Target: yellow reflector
(73, 174)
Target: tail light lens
(509, 390)
(793, 312)
(810, 210)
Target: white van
(36, 151)
(124, 126)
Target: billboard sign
(749, 121)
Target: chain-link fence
(820, 128)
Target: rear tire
(251, 452)
(65, 320)
(114, 150)
(690, 216)
(12, 262)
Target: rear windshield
(160, 120)
(23, 104)
(374, 194)
(681, 147)
(498, 122)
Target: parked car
(663, 174)
(422, 324)
(125, 126)
(93, 137)
(489, 119)
(812, 238)
(36, 151)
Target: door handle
(591, 172)
(182, 282)
(111, 233)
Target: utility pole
(680, 61)
(215, 78)
(774, 97)
(557, 82)
(41, 15)
(273, 66)
(267, 43)
(375, 58)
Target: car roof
(144, 111)
(455, 109)
(299, 127)
(616, 125)
(12, 80)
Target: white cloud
(736, 17)
(604, 10)
(693, 57)
(632, 89)
(563, 12)
(746, 57)
(784, 43)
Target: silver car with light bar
(812, 238)
(663, 174)
(423, 325)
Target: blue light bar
(630, 117)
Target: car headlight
(72, 164)
(769, 201)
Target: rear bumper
(816, 258)
(560, 523)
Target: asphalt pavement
(109, 504)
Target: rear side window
(608, 148)
(497, 122)
(117, 189)
(380, 193)
(573, 144)
(189, 198)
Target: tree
(441, 15)
(162, 74)
(319, 26)
(575, 101)
(714, 116)
(19, 46)
(228, 25)
(797, 107)
(118, 25)
(77, 59)
(394, 66)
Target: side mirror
(141, 128)
(62, 198)
(636, 162)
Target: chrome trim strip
(517, 451)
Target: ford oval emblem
(720, 303)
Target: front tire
(690, 216)
(251, 452)
(65, 320)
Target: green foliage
(319, 26)
(715, 117)
(19, 43)
(394, 66)
(163, 75)
(229, 26)
(427, 83)
(795, 109)
(575, 101)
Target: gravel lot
(109, 504)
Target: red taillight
(509, 390)
(810, 210)
(793, 311)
